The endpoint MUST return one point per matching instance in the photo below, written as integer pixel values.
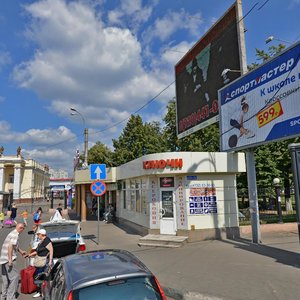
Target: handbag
(40, 261)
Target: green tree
(273, 159)
(206, 139)
(100, 153)
(138, 139)
(262, 55)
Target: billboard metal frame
(221, 47)
(270, 92)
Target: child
(24, 214)
(1, 219)
(37, 216)
(14, 213)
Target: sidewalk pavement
(215, 269)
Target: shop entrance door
(167, 212)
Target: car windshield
(61, 230)
(138, 288)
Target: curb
(178, 295)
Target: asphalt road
(211, 270)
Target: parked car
(65, 236)
(103, 274)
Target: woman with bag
(43, 256)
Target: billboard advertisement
(263, 105)
(199, 74)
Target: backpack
(36, 216)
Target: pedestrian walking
(14, 213)
(1, 218)
(10, 274)
(24, 215)
(59, 209)
(37, 216)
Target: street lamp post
(276, 182)
(224, 74)
(76, 112)
(272, 38)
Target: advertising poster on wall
(263, 105)
(202, 198)
(181, 203)
(199, 74)
(154, 209)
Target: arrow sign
(98, 171)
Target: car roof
(103, 265)
(60, 222)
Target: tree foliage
(100, 153)
(204, 140)
(138, 139)
(273, 159)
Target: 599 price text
(269, 114)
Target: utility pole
(76, 112)
(86, 147)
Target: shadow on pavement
(279, 255)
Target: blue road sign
(98, 188)
(98, 171)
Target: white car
(64, 235)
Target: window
(11, 178)
(137, 195)
(58, 285)
(124, 195)
(144, 202)
(138, 200)
(132, 200)
(135, 288)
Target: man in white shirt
(10, 274)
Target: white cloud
(132, 13)
(2, 98)
(36, 137)
(172, 55)
(173, 21)
(56, 158)
(5, 59)
(44, 137)
(54, 146)
(81, 62)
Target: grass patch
(271, 219)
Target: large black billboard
(199, 74)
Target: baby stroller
(8, 223)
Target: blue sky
(106, 58)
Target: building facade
(22, 180)
(177, 193)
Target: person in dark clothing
(13, 213)
(44, 249)
(59, 209)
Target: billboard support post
(295, 153)
(252, 194)
(250, 161)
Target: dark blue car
(103, 274)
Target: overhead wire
(156, 96)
